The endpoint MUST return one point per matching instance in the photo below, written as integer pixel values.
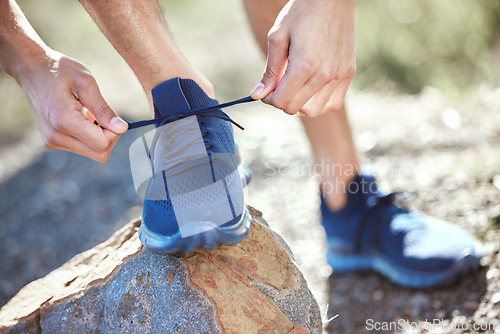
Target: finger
(298, 71)
(336, 101)
(316, 105)
(61, 141)
(90, 96)
(111, 137)
(285, 92)
(277, 55)
(74, 123)
(89, 115)
(308, 91)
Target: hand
(310, 58)
(58, 88)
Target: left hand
(57, 88)
(310, 59)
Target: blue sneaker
(411, 249)
(195, 197)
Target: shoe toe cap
(432, 244)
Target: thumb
(277, 55)
(92, 99)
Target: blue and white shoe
(195, 197)
(411, 249)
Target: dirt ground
(56, 204)
(447, 155)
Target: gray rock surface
(120, 287)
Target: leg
(366, 229)
(138, 32)
(329, 134)
(190, 200)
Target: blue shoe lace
(211, 111)
(207, 111)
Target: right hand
(310, 57)
(58, 88)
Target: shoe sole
(211, 238)
(404, 276)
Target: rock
(121, 287)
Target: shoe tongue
(179, 95)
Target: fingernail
(301, 114)
(258, 90)
(118, 124)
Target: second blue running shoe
(195, 197)
(411, 249)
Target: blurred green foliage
(407, 45)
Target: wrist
(346, 4)
(28, 61)
(21, 47)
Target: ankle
(335, 191)
(335, 202)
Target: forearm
(138, 32)
(262, 14)
(20, 45)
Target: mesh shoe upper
(195, 173)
